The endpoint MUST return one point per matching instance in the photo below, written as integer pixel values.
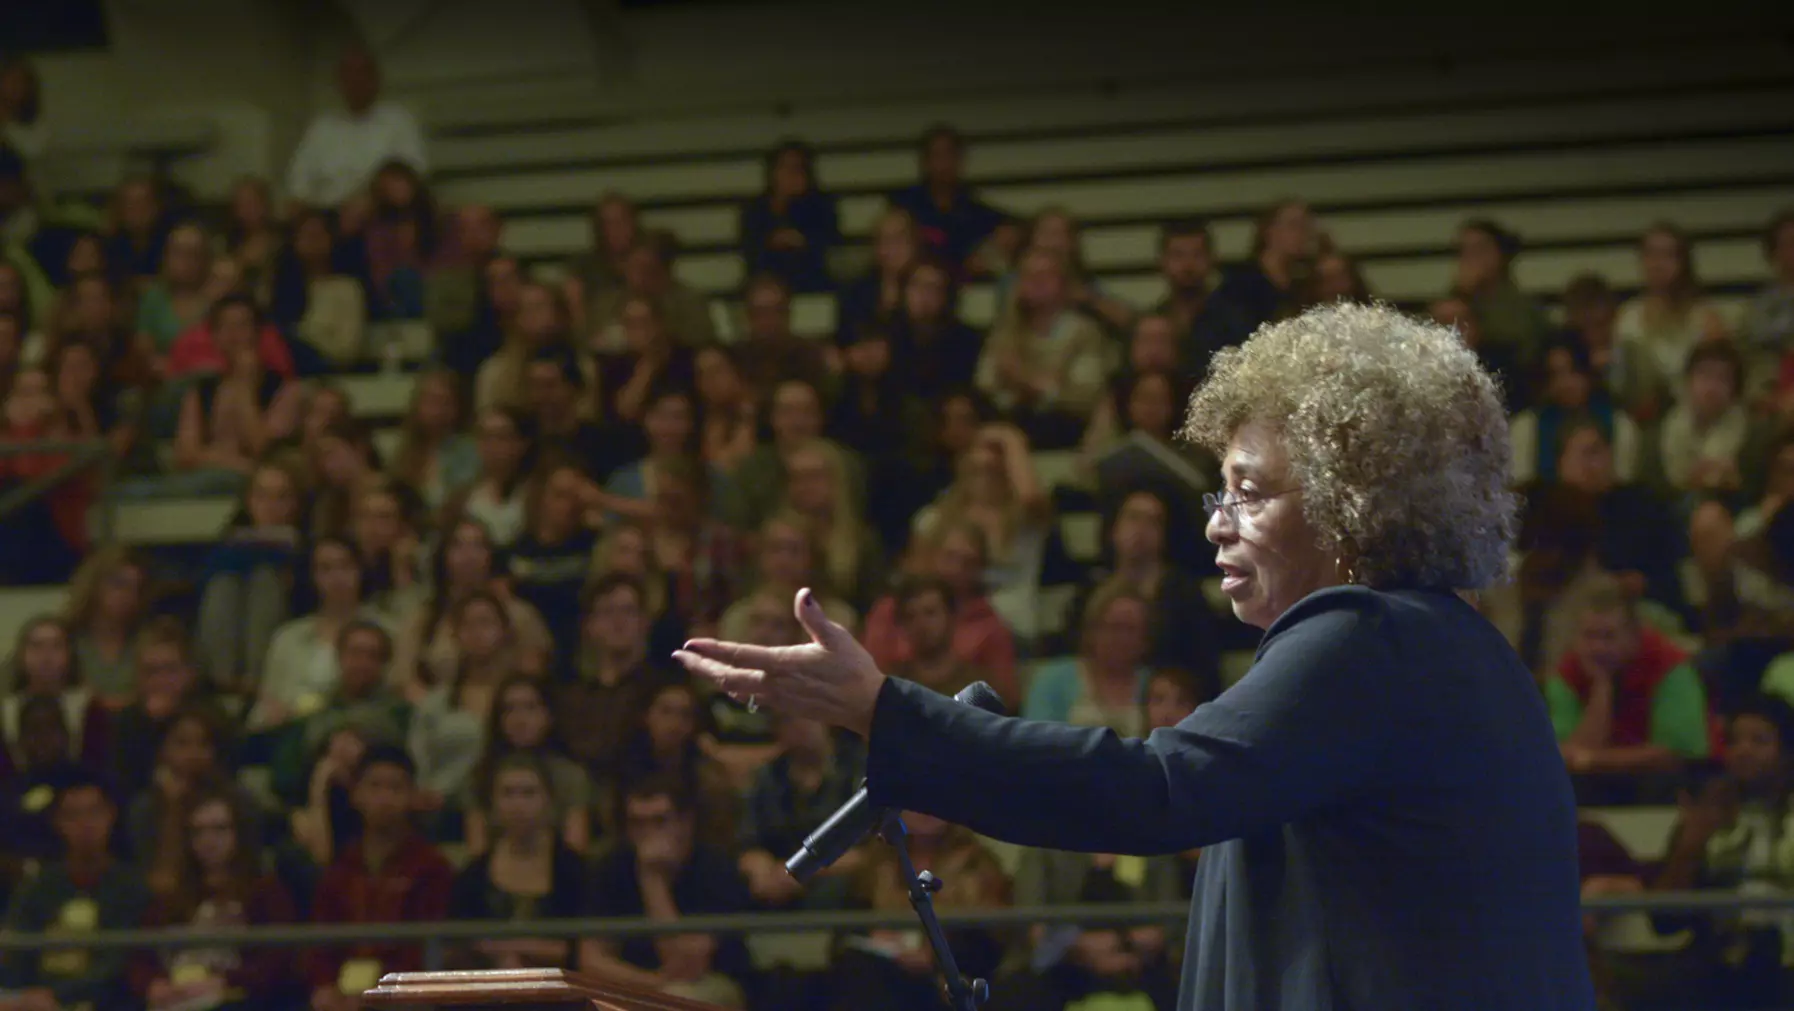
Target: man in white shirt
(342, 149)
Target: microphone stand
(962, 994)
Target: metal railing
(82, 455)
(437, 937)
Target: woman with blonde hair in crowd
(435, 457)
(1045, 362)
(447, 732)
(816, 488)
(786, 557)
(1105, 684)
(1057, 231)
(996, 490)
(108, 598)
(1669, 316)
(542, 320)
(878, 294)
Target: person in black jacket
(1386, 817)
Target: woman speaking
(1385, 817)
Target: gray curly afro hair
(1394, 431)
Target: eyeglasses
(1231, 503)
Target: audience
(583, 476)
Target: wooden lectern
(517, 990)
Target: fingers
(739, 682)
(823, 632)
(737, 654)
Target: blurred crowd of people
(461, 644)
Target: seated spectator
(788, 557)
(327, 821)
(818, 489)
(190, 760)
(362, 702)
(952, 221)
(1639, 537)
(663, 870)
(550, 559)
(1774, 485)
(19, 224)
(742, 740)
(541, 321)
(1055, 230)
(700, 560)
(389, 875)
(628, 549)
(1151, 347)
(568, 426)
(342, 148)
(167, 686)
(789, 229)
(954, 425)
(925, 615)
(648, 361)
(996, 488)
(727, 405)
(452, 288)
(402, 236)
(1592, 311)
(1184, 631)
(180, 297)
(447, 728)
(1668, 317)
(1045, 362)
(1335, 277)
(817, 770)
(956, 555)
(1141, 406)
(669, 421)
(252, 233)
(1728, 836)
(1285, 242)
(875, 414)
(933, 351)
(1105, 684)
(314, 305)
(1203, 318)
(465, 564)
(616, 227)
(1768, 332)
(795, 415)
(1705, 436)
(91, 403)
(875, 297)
(45, 540)
(894, 970)
(599, 706)
(40, 772)
(768, 351)
(233, 325)
(435, 458)
(1070, 963)
(1507, 318)
(520, 725)
(1569, 392)
(1625, 700)
(86, 890)
(44, 665)
(1172, 693)
(245, 590)
(384, 527)
(464, 350)
(498, 497)
(301, 670)
(138, 230)
(106, 605)
(21, 101)
(667, 740)
(1502, 363)
(325, 410)
(218, 884)
(526, 873)
(648, 273)
(229, 421)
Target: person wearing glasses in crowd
(1385, 724)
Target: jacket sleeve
(1318, 720)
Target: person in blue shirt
(788, 230)
(952, 221)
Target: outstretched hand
(831, 678)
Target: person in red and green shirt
(1625, 699)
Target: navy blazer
(1386, 818)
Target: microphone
(853, 820)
